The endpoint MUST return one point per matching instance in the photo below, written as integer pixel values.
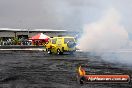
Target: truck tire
(59, 52)
(49, 51)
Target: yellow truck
(60, 45)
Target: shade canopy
(39, 36)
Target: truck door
(59, 42)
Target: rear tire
(59, 52)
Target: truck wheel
(49, 52)
(59, 52)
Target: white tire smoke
(107, 34)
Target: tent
(39, 39)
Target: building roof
(32, 30)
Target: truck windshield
(68, 39)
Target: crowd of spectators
(15, 41)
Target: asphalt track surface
(37, 69)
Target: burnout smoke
(106, 34)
